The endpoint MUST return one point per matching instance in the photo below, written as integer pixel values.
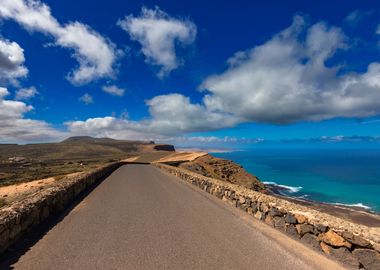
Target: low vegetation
(24, 163)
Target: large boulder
(289, 218)
(304, 228)
(300, 218)
(369, 258)
(355, 239)
(333, 239)
(311, 240)
(341, 254)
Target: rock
(2, 228)
(279, 223)
(45, 213)
(321, 228)
(248, 201)
(254, 206)
(343, 255)
(300, 218)
(325, 248)
(370, 259)
(15, 232)
(264, 207)
(356, 240)
(4, 237)
(241, 200)
(234, 203)
(269, 220)
(275, 212)
(304, 228)
(289, 218)
(291, 230)
(311, 240)
(259, 215)
(376, 246)
(333, 239)
(243, 207)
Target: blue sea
(339, 176)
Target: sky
(191, 73)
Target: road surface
(143, 218)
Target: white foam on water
(289, 188)
(360, 205)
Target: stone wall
(356, 246)
(22, 216)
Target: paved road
(142, 218)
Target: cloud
(170, 115)
(212, 140)
(114, 90)
(159, 34)
(94, 53)
(14, 127)
(86, 99)
(26, 93)
(281, 81)
(175, 114)
(358, 16)
(378, 30)
(287, 80)
(336, 139)
(12, 61)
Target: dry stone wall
(356, 246)
(22, 216)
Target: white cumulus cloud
(26, 93)
(86, 99)
(12, 61)
(94, 53)
(286, 80)
(159, 34)
(15, 127)
(283, 80)
(170, 115)
(113, 90)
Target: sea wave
(360, 205)
(290, 189)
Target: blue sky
(190, 72)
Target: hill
(23, 163)
(83, 147)
(224, 170)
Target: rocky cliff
(224, 170)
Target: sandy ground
(353, 214)
(131, 159)
(19, 191)
(182, 157)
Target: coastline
(356, 214)
(356, 211)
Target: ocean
(338, 176)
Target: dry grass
(76, 154)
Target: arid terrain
(25, 169)
(24, 163)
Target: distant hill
(81, 147)
(90, 139)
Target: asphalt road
(143, 218)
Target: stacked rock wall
(356, 246)
(22, 216)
